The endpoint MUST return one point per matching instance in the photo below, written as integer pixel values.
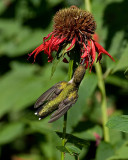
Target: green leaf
(104, 151)
(78, 142)
(119, 123)
(126, 73)
(115, 80)
(10, 132)
(73, 150)
(60, 58)
(123, 61)
(121, 153)
(88, 134)
(2, 6)
(54, 65)
(19, 40)
(62, 149)
(40, 126)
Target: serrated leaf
(78, 142)
(119, 123)
(73, 150)
(10, 132)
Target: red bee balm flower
(72, 26)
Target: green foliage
(23, 24)
(104, 151)
(119, 123)
(9, 132)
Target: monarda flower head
(72, 26)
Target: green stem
(64, 134)
(104, 102)
(70, 71)
(88, 5)
(102, 88)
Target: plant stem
(104, 102)
(64, 134)
(70, 71)
(102, 89)
(88, 5)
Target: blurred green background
(23, 24)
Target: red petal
(87, 50)
(47, 36)
(87, 62)
(36, 51)
(93, 52)
(100, 50)
(72, 44)
(60, 41)
(96, 37)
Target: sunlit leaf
(73, 150)
(119, 123)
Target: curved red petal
(96, 37)
(47, 36)
(72, 44)
(36, 51)
(85, 51)
(60, 41)
(93, 52)
(100, 49)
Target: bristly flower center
(74, 22)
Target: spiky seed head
(71, 22)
